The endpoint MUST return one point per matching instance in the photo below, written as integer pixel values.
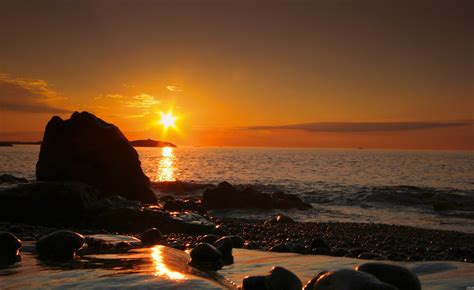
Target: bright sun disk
(167, 120)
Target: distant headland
(151, 143)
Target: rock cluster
(225, 195)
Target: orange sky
(238, 74)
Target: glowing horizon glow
(161, 269)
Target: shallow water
(388, 186)
(166, 268)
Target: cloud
(142, 101)
(29, 96)
(174, 89)
(353, 127)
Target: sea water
(431, 189)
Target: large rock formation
(225, 195)
(87, 149)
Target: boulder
(85, 148)
(348, 279)
(46, 203)
(152, 237)
(60, 245)
(225, 195)
(224, 245)
(282, 279)
(398, 276)
(206, 256)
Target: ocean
(429, 189)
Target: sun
(167, 120)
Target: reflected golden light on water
(166, 165)
(161, 269)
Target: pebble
(398, 276)
(9, 245)
(348, 279)
(319, 243)
(237, 241)
(371, 256)
(60, 245)
(210, 239)
(206, 256)
(254, 283)
(282, 279)
(152, 237)
(281, 248)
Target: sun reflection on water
(161, 269)
(166, 165)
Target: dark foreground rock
(46, 203)
(282, 279)
(206, 256)
(400, 277)
(152, 237)
(9, 245)
(85, 148)
(348, 279)
(225, 195)
(10, 179)
(60, 245)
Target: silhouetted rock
(224, 195)
(60, 245)
(9, 245)
(281, 248)
(319, 243)
(5, 144)
(210, 239)
(152, 237)
(280, 219)
(224, 245)
(254, 283)
(206, 256)
(348, 279)
(237, 241)
(46, 203)
(310, 284)
(282, 279)
(400, 277)
(10, 179)
(151, 143)
(87, 149)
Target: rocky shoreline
(355, 240)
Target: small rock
(348, 279)
(282, 279)
(283, 219)
(251, 245)
(177, 246)
(400, 277)
(254, 283)
(357, 251)
(209, 239)
(319, 243)
(237, 241)
(206, 256)
(281, 248)
(371, 256)
(224, 245)
(152, 237)
(321, 251)
(310, 284)
(9, 245)
(60, 245)
(339, 252)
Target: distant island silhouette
(151, 143)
